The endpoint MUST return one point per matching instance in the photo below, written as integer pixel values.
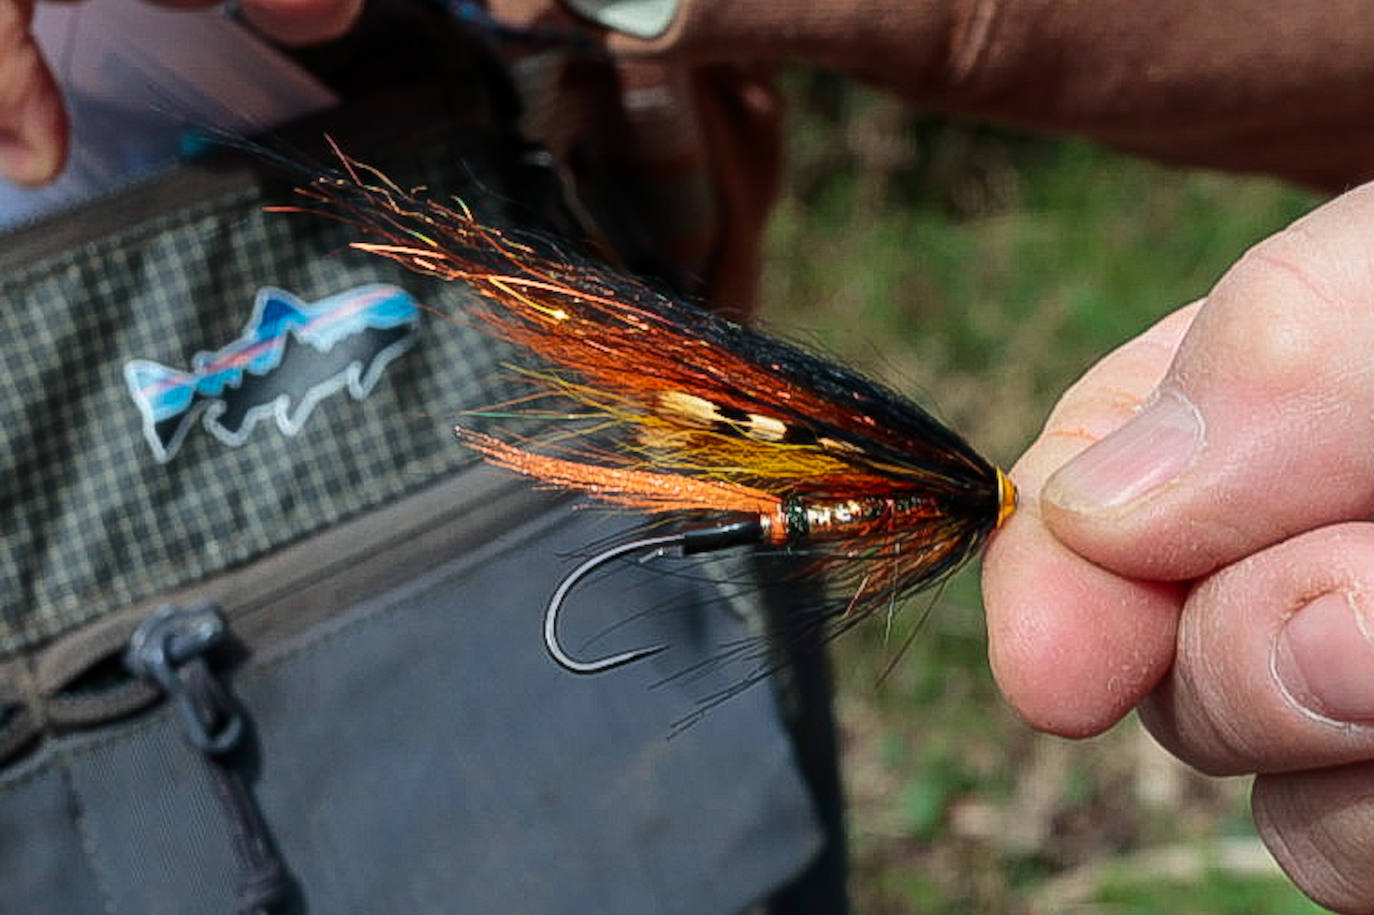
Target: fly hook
(701, 540)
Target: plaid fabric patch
(89, 520)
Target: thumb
(1263, 424)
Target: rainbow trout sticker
(291, 356)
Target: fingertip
(1072, 646)
(1317, 826)
(302, 22)
(1271, 667)
(33, 125)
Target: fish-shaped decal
(292, 355)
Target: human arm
(1239, 84)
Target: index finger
(1073, 646)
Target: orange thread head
(1006, 497)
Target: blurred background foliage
(981, 271)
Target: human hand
(33, 124)
(1195, 539)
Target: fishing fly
(724, 435)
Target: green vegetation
(981, 272)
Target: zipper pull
(168, 649)
(173, 638)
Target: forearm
(1281, 86)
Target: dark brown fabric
(1276, 86)
(1273, 85)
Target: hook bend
(698, 540)
(660, 546)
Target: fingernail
(1158, 444)
(1324, 660)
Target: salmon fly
(722, 434)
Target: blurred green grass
(981, 272)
